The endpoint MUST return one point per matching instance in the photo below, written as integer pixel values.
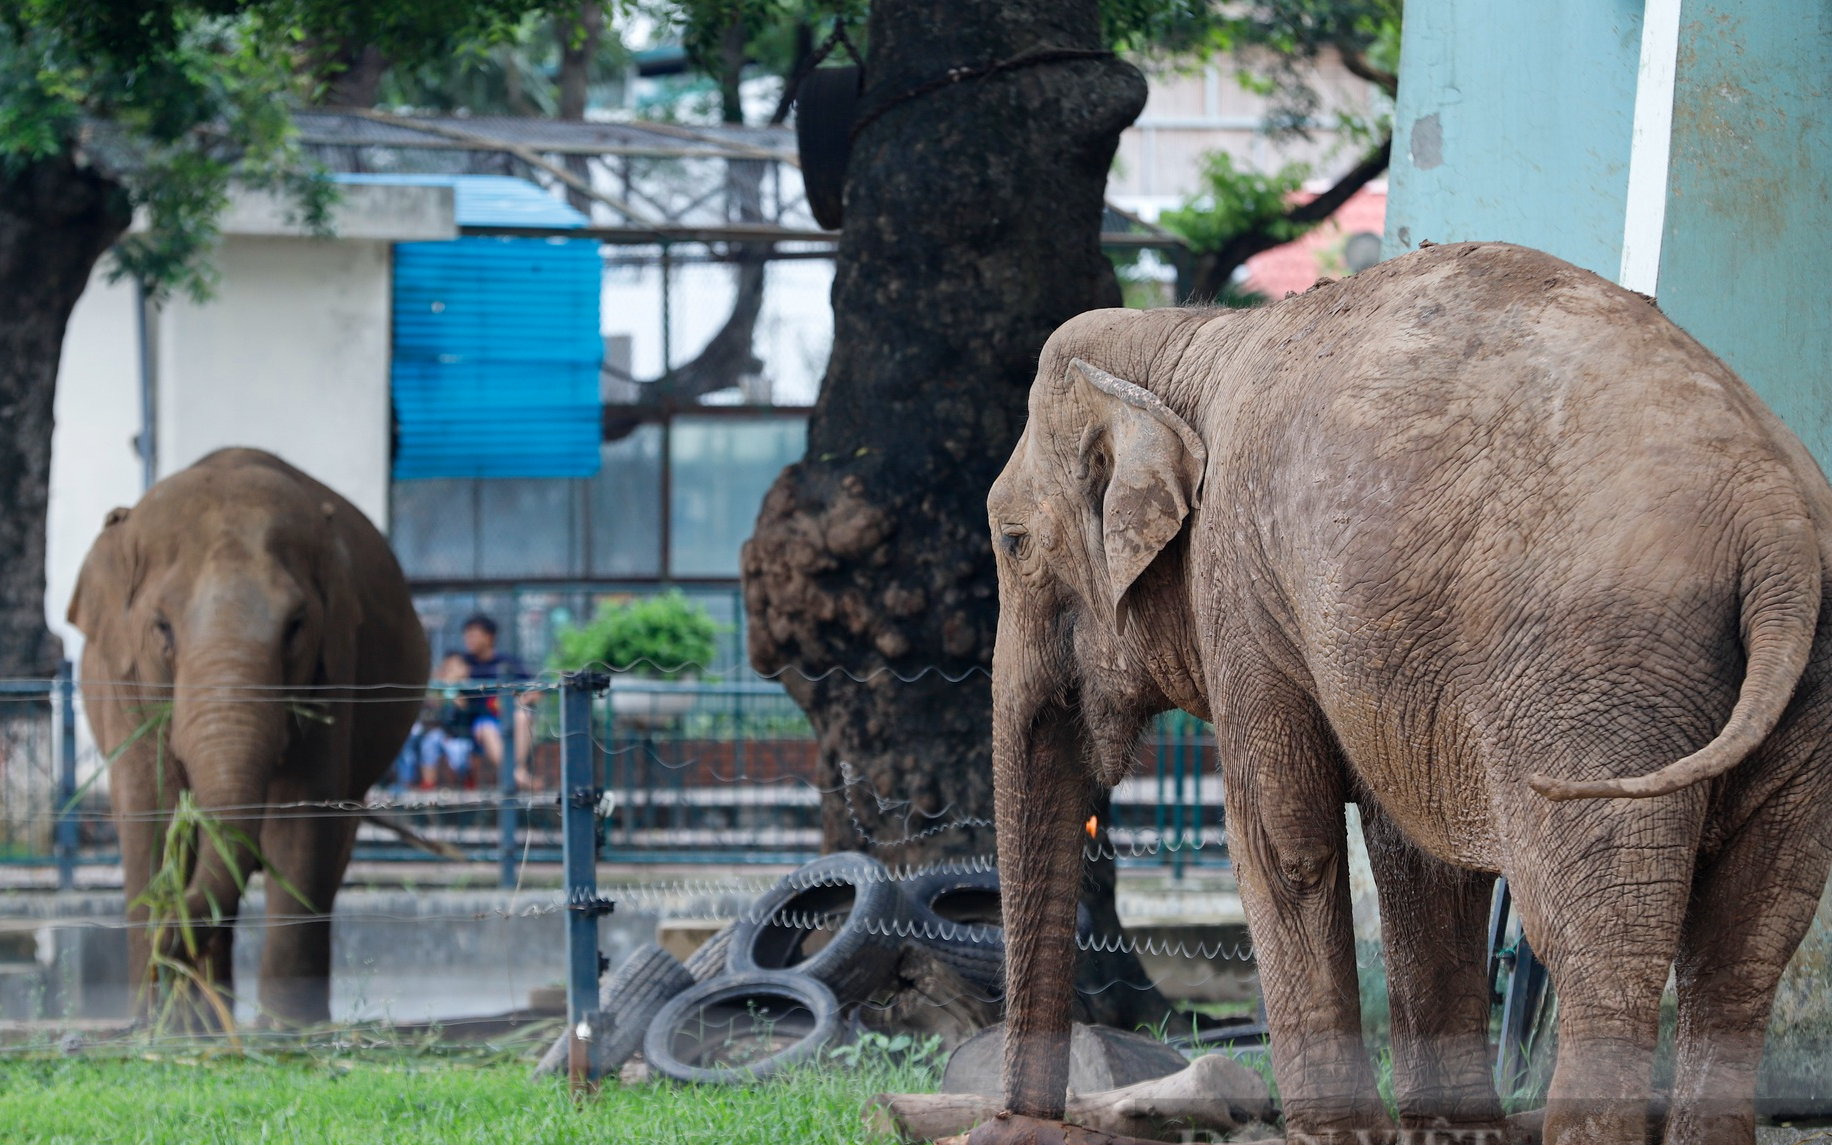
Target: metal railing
(52, 812)
(695, 772)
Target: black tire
(848, 896)
(627, 1000)
(710, 959)
(958, 915)
(741, 1028)
(824, 113)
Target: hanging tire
(741, 1028)
(840, 920)
(824, 113)
(627, 1000)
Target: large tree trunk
(56, 219)
(578, 44)
(972, 231)
(353, 76)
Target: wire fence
(554, 832)
(697, 772)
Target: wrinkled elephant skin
(230, 619)
(1487, 545)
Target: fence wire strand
(727, 772)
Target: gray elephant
(1489, 546)
(253, 605)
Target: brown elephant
(1485, 544)
(258, 605)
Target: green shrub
(651, 636)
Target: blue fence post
(507, 807)
(579, 808)
(1181, 727)
(1199, 766)
(1158, 817)
(66, 777)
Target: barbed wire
(545, 680)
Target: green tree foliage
(515, 72)
(656, 634)
(169, 116)
(117, 110)
(1277, 45)
(173, 100)
(1233, 201)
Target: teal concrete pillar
(1679, 147)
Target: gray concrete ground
(415, 942)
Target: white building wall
(1189, 113)
(291, 356)
(95, 463)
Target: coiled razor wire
(850, 778)
(546, 681)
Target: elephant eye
(293, 628)
(163, 631)
(1015, 539)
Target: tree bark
(578, 44)
(972, 231)
(731, 71)
(56, 219)
(355, 76)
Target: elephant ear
(343, 610)
(1157, 466)
(105, 591)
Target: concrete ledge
(366, 211)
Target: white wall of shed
(95, 464)
(291, 356)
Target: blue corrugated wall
(496, 343)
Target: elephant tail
(1781, 596)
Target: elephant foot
(1415, 1135)
(1488, 1133)
(1013, 1129)
(1529, 1128)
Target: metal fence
(53, 797)
(696, 772)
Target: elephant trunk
(228, 737)
(1042, 795)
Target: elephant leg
(1285, 791)
(143, 801)
(1433, 921)
(1752, 903)
(304, 854)
(142, 836)
(1605, 917)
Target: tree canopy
(172, 100)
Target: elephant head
(215, 611)
(1096, 635)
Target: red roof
(1299, 263)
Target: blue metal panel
(497, 300)
(1513, 123)
(496, 342)
(1749, 200)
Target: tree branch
(1356, 63)
(1214, 270)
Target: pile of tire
(772, 990)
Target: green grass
(352, 1100)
